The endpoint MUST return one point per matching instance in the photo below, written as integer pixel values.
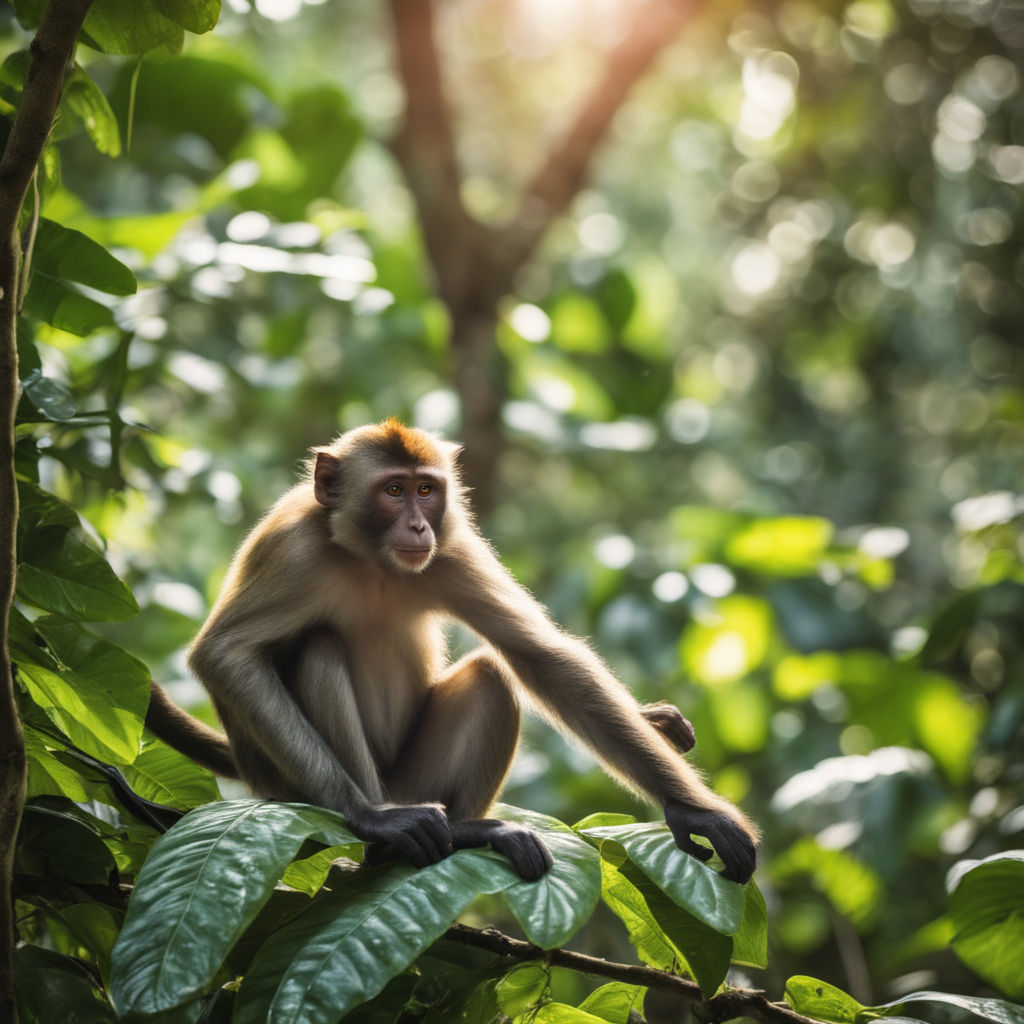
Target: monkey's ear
(327, 479)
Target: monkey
(325, 658)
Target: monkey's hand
(669, 721)
(731, 842)
(521, 845)
(419, 831)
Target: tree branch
(52, 50)
(424, 146)
(723, 1007)
(564, 170)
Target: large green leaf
(706, 952)
(38, 508)
(60, 841)
(94, 691)
(652, 945)
(166, 777)
(54, 987)
(997, 1010)
(987, 911)
(48, 775)
(555, 907)
(195, 15)
(694, 886)
(113, 26)
(750, 943)
(202, 883)
(85, 99)
(61, 252)
(49, 396)
(60, 305)
(61, 573)
(345, 948)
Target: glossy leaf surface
(203, 882)
(344, 949)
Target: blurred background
(740, 381)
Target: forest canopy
(723, 302)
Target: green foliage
(764, 428)
(208, 878)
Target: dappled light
(723, 305)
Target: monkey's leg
(317, 676)
(461, 752)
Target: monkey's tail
(189, 736)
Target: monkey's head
(390, 490)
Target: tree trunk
(479, 376)
(52, 50)
(475, 265)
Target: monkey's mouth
(413, 558)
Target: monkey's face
(405, 512)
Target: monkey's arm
(577, 689)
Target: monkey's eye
(425, 490)
(394, 490)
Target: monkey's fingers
(672, 724)
(525, 849)
(694, 849)
(434, 841)
(730, 841)
(736, 848)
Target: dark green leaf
(38, 508)
(113, 26)
(711, 898)
(194, 15)
(203, 882)
(50, 397)
(54, 843)
(750, 943)
(59, 305)
(61, 252)
(54, 987)
(997, 1010)
(63, 574)
(351, 942)
(554, 908)
(85, 99)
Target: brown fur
(325, 654)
